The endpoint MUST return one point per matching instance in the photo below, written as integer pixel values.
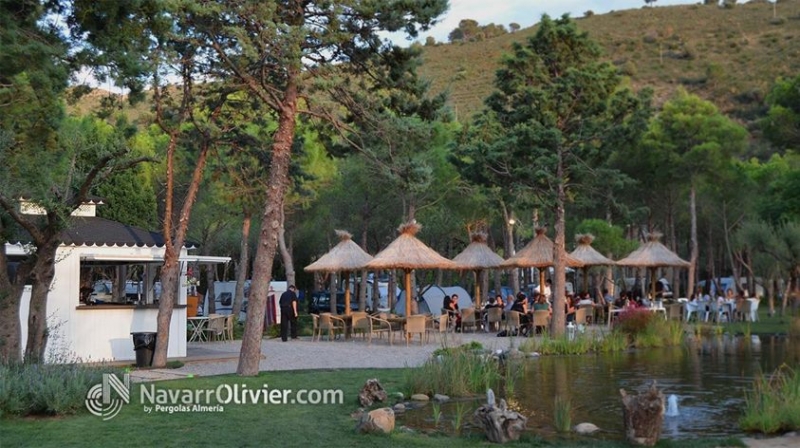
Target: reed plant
(458, 373)
(562, 413)
(773, 406)
(437, 413)
(458, 418)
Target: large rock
(643, 416)
(440, 398)
(377, 421)
(371, 392)
(586, 428)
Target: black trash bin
(144, 343)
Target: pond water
(708, 378)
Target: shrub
(633, 321)
(46, 389)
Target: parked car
(321, 303)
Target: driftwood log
(643, 416)
(500, 424)
(371, 392)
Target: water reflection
(708, 376)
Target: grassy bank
(773, 406)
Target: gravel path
(302, 354)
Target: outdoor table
(198, 326)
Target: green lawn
(259, 425)
(765, 325)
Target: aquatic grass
(659, 333)
(458, 418)
(562, 414)
(773, 406)
(437, 413)
(458, 373)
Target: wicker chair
(361, 323)
(216, 327)
(494, 316)
(541, 319)
(380, 326)
(468, 319)
(513, 322)
(333, 325)
(581, 314)
(415, 325)
(230, 324)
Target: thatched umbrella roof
(478, 255)
(538, 254)
(345, 256)
(653, 254)
(587, 254)
(407, 252)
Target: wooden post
(643, 416)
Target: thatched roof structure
(587, 254)
(345, 256)
(538, 254)
(478, 255)
(407, 252)
(653, 254)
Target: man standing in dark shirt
(288, 304)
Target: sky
(527, 12)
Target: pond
(709, 378)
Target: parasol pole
(653, 283)
(408, 291)
(586, 277)
(541, 283)
(477, 289)
(346, 293)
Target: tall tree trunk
(250, 354)
(694, 248)
(510, 249)
(558, 323)
(211, 293)
(242, 267)
(42, 277)
(170, 271)
(286, 255)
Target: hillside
(728, 56)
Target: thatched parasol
(477, 257)
(589, 256)
(345, 257)
(539, 254)
(406, 252)
(652, 255)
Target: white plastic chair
(712, 311)
(752, 306)
(691, 309)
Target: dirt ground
(791, 440)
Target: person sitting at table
(585, 299)
(451, 307)
(569, 308)
(542, 303)
(521, 306)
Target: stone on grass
(399, 407)
(377, 421)
(371, 392)
(420, 397)
(586, 428)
